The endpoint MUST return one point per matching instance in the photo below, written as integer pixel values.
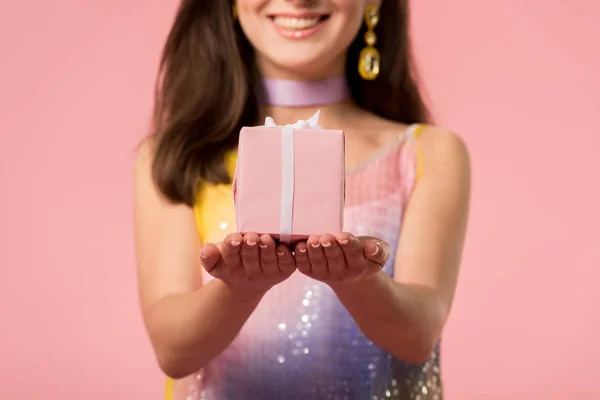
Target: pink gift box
(289, 182)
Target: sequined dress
(301, 343)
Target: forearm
(404, 319)
(189, 330)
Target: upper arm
(435, 220)
(166, 241)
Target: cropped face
(301, 39)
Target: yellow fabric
(214, 210)
(169, 389)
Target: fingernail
(377, 248)
(302, 249)
(202, 254)
(328, 244)
(315, 245)
(235, 243)
(343, 241)
(281, 253)
(263, 246)
(251, 243)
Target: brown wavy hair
(208, 88)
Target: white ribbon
(287, 171)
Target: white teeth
(295, 23)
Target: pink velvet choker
(288, 93)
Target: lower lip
(298, 33)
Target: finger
(209, 256)
(268, 258)
(336, 262)
(316, 256)
(353, 251)
(250, 256)
(230, 250)
(285, 259)
(301, 256)
(375, 250)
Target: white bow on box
(287, 171)
(311, 123)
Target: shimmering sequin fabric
(301, 343)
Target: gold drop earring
(369, 59)
(235, 13)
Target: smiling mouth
(297, 23)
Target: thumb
(210, 253)
(376, 250)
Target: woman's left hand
(342, 259)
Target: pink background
(517, 78)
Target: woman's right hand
(249, 264)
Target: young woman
(352, 315)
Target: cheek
(250, 4)
(353, 8)
(250, 7)
(349, 27)
(256, 31)
(251, 16)
(352, 16)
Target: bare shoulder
(441, 139)
(443, 152)
(147, 196)
(145, 190)
(145, 193)
(143, 158)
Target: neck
(287, 100)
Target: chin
(297, 65)
(300, 71)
